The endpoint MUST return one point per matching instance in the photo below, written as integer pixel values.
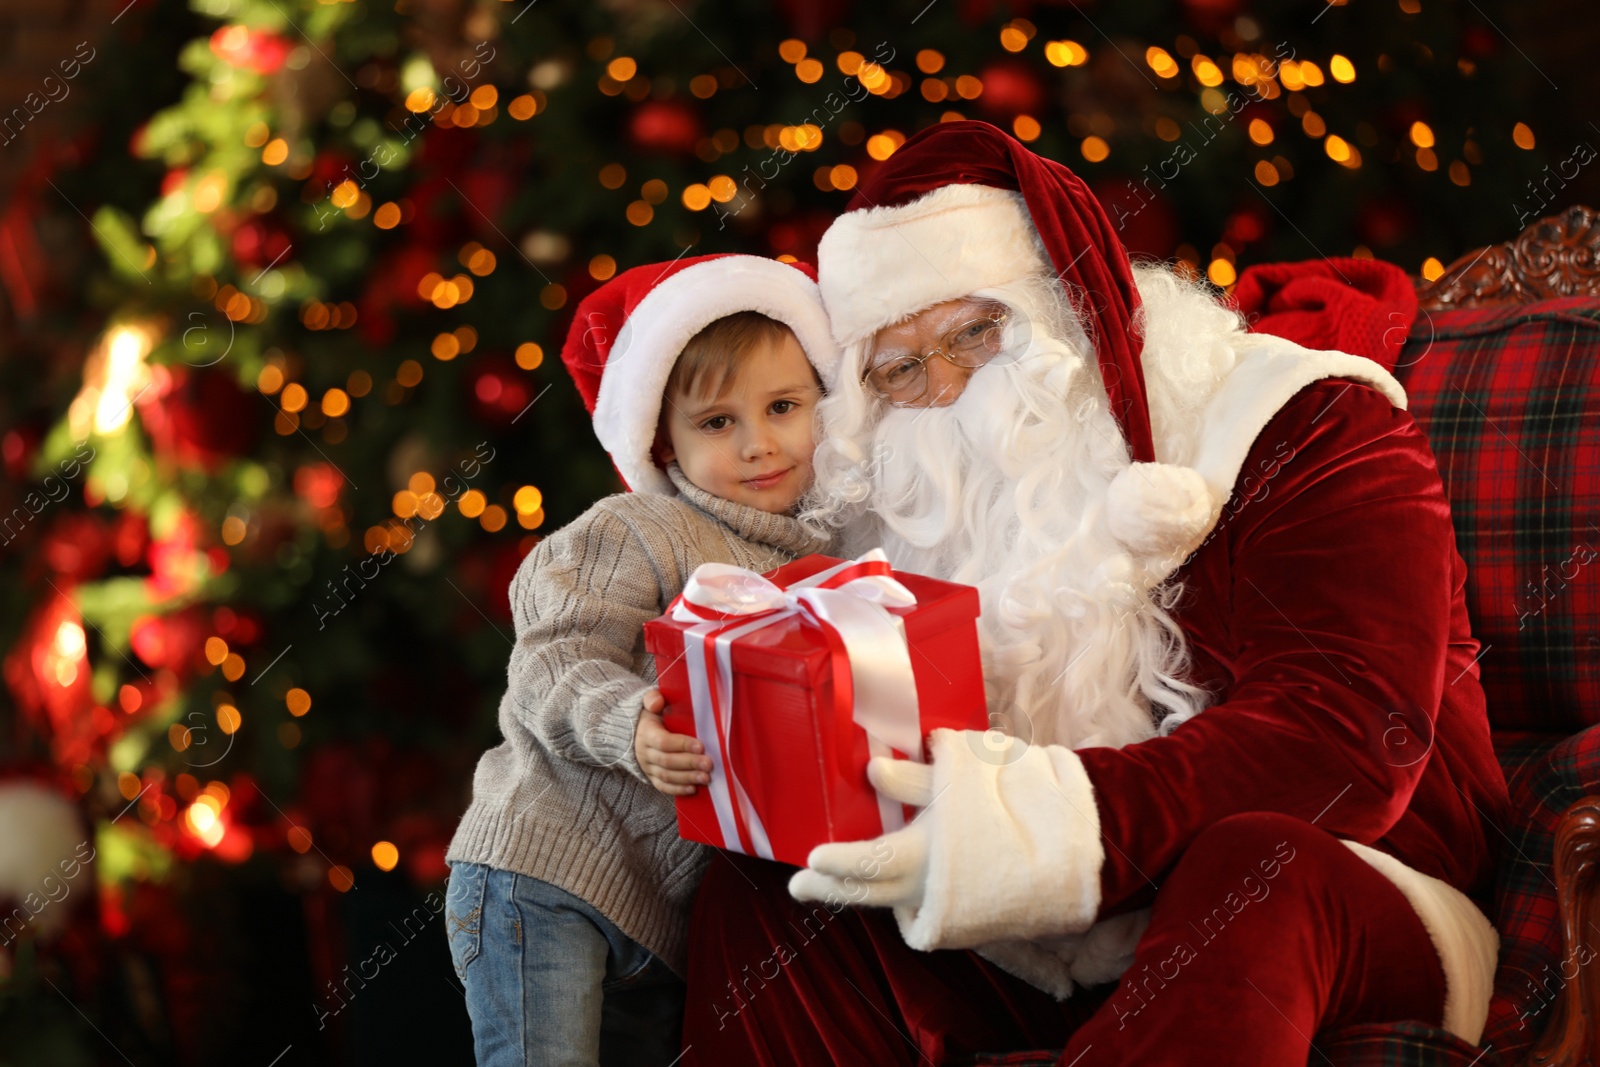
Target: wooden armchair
(1519, 324)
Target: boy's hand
(674, 763)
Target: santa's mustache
(1017, 428)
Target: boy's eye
(783, 407)
(715, 423)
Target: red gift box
(790, 759)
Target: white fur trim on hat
(628, 407)
(878, 265)
(1466, 941)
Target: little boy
(569, 886)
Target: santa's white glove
(887, 871)
(1007, 846)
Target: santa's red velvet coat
(1374, 732)
(1328, 607)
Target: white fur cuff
(1466, 941)
(1014, 850)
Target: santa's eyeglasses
(902, 379)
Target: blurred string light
(67, 654)
(1015, 35)
(529, 504)
(881, 146)
(385, 855)
(1066, 54)
(114, 376)
(1161, 61)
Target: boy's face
(752, 442)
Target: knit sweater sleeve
(580, 601)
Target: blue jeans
(550, 981)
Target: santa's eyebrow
(960, 318)
(884, 355)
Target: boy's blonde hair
(713, 355)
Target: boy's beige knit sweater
(562, 799)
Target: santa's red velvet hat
(964, 206)
(627, 335)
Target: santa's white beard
(1005, 489)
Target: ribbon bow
(871, 663)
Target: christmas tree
(301, 414)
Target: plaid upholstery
(1510, 401)
(1394, 1044)
(1545, 777)
(1407, 1044)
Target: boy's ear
(661, 449)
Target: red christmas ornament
(669, 126)
(340, 787)
(1384, 223)
(255, 50)
(78, 545)
(178, 561)
(172, 641)
(18, 448)
(507, 559)
(489, 190)
(1245, 226)
(799, 234)
(130, 537)
(1011, 88)
(422, 839)
(1212, 16)
(258, 242)
(238, 627)
(173, 180)
(319, 484)
(1478, 41)
(48, 675)
(498, 390)
(811, 19)
(200, 416)
(486, 577)
(391, 285)
(329, 168)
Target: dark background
(194, 235)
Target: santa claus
(1240, 781)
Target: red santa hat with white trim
(627, 335)
(963, 206)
